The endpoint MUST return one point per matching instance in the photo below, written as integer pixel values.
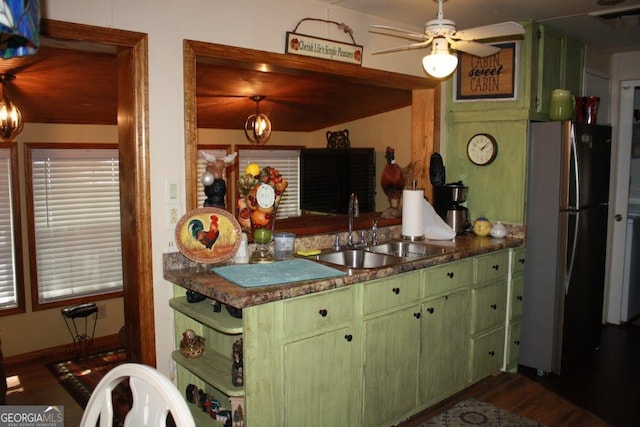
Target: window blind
(76, 205)
(288, 163)
(8, 290)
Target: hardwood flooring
(605, 391)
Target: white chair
(154, 396)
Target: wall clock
(482, 149)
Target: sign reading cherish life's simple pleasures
(302, 44)
(489, 77)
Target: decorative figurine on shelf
(215, 187)
(209, 405)
(338, 140)
(192, 345)
(392, 182)
(237, 377)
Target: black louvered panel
(329, 176)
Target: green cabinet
(488, 314)
(514, 310)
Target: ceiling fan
(442, 34)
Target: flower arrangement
(260, 193)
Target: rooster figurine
(392, 182)
(192, 345)
(207, 238)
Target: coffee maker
(449, 205)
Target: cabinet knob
(517, 342)
(492, 353)
(494, 306)
(495, 267)
(521, 260)
(396, 290)
(519, 297)
(348, 337)
(450, 274)
(431, 310)
(323, 312)
(417, 315)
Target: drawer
(487, 354)
(491, 266)
(391, 292)
(517, 261)
(446, 277)
(489, 306)
(517, 291)
(317, 311)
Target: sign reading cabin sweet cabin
(301, 44)
(489, 77)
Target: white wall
(245, 23)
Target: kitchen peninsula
(371, 347)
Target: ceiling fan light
(440, 63)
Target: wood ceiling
(76, 83)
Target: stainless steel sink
(359, 258)
(408, 249)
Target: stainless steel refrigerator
(566, 221)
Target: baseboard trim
(60, 352)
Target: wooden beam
(425, 134)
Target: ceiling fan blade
(490, 31)
(405, 47)
(406, 34)
(474, 48)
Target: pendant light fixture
(10, 116)
(257, 127)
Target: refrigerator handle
(574, 170)
(571, 248)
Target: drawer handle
(494, 306)
(519, 297)
(521, 260)
(492, 353)
(323, 312)
(348, 337)
(495, 267)
(396, 290)
(450, 274)
(431, 310)
(517, 342)
(417, 315)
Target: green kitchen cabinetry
(514, 310)
(372, 353)
(488, 314)
(444, 336)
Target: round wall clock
(482, 149)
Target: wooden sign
(302, 44)
(489, 77)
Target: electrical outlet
(172, 215)
(102, 311)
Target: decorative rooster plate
(208, 235)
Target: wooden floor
(607, 385)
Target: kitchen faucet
(354, 212)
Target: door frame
(619, 203)
(135, 197)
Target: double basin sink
(382, 255)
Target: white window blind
(8, 290)
(202, 166)
(288, 163)
(76, 205)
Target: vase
(262, 206)
(561, 106)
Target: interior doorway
(625, 201)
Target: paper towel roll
(412, 214)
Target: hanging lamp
(10, 117)
(257, 127)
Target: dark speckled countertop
(200, 278)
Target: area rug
(80, 376)
(472, 412)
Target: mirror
(318, 93)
